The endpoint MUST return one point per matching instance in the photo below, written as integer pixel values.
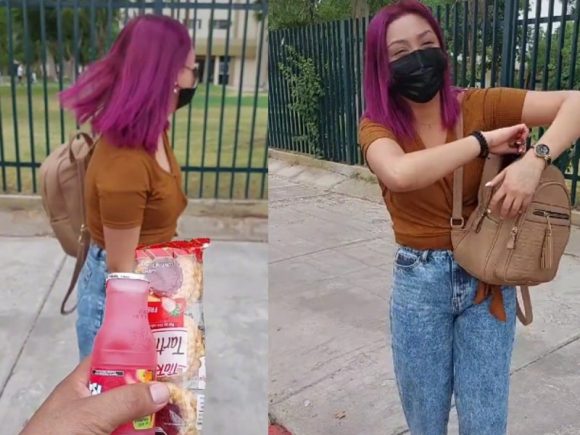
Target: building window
(221, 24)
(192, 24)
(224, 70)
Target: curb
(24, 216)
(335, 177)
(195, 207)
(352, 171)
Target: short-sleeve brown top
(127, 188)
(421, 217)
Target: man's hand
(70, 410)
(517, 185)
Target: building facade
(227, 43)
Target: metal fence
(491, 43)
(220, 140)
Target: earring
(175, 89)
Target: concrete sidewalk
(331, 372)
(39, 345)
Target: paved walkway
(330, 361)
(39, 345)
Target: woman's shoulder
(108, 153)
(473, 95)
(122, 164)
(369, 131)
(367, 125)
(484, 96)
(495, 107)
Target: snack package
(175, 273)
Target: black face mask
(418, 76)
(184, 97)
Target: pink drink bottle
(124, 350)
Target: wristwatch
(543, 152)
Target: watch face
(542, 150)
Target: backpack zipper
(547, 246)
(513, 239)
(552, 214)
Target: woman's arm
(123, 195)
(560, 110)
(518, 182)
(404, 172)
(120, 246)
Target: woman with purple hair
(133, 182)
(448, 335)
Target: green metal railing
(220, 139)
(490, 45)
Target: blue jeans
(444, 344)
(91, 299)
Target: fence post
(159, 7)
(346, 109)
(507, 55)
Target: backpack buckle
(82, 233)
(457, 223)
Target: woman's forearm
(120, 246)
(565, 129)
(420, 169)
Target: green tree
(305, 86)
(4, 40)
(70, 45)
(567, 68)
(297, 13)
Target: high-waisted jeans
(444, 344)
(91, 299)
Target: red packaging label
(102, 380)
(166, 312)
(166, 318)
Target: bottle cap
(131, 276)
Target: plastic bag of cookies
(175, 273)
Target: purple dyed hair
(126, 95)
(384, 106)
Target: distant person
(133, 182)
(70, 410)
(448, 334)
(20, 74)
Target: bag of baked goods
(175, 274)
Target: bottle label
(103, 380)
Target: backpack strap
(457, 220)
(491, 168)
(84, 237)
(526, 315)
(82, 251)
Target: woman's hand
(71, 410)
(508, 140)
(517, 184)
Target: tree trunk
(360, 8)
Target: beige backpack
(524, 251)
(62, 177)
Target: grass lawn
(205, 148)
